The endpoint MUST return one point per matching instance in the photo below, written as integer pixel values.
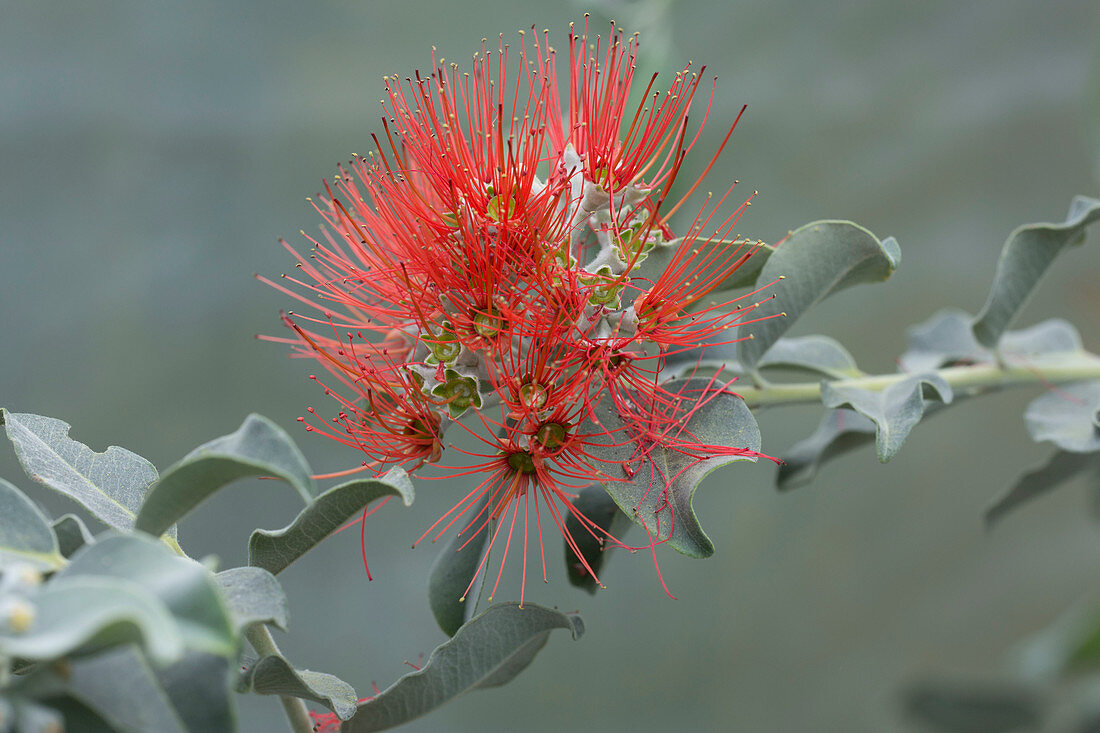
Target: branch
(972, 379)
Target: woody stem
(971, 379)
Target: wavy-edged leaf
(839, 432)
(453, 571)
(489, 650)
(1026, 255)
(71, 533)
(947, 339)
(894, 410)
(816, 260)
(273, 675)
(25, 534)
(111, 485)
(274, 550)
(258, 448)
(199, 688)
(253, 596)
(598, 508)
(656, 492)
(968, 708)
(185, 587)
(83, 615)
(1067, 416)
(818, 354)
(1060, 468)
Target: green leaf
(199, 687)
(489, 650)
(186, 588)
(745, 276)
(111, 485)
(258, 448)
(273, 675)
(253, 596)
(597, 507)
(717, 351)
(71, 533)
(25, 535)
(118, 685)
(453, 571)
(1067, 416)
(839, 432)
(658, 488)
(816, 260)
(816, 354)
(819, 354)
(972, 709)
(83, 615)
(894, 410)
(77, 717)
(947, 339)
(1026, 255)
(1062, 467)
(274, 550)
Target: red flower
(481, 264)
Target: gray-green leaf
(1067, 416)
(121, 688)
(894, 410)
(258, 448)
(1062, 467)
(819, 354)
(816, 260)
(839, 432)
(598, 508)
(253, 596)
(25, 534)
(273, 675)
(745, 276)
(489, 650)
(454, 568)
(82, 615)
(185, 587)
(658, 488)
(71, 533)
(199, 687)
(946, 338)
(1026, 255)
(274, 550)
(111, 485)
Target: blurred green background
(151, 153)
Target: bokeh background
(151, 153)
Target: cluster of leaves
(123, 631)
(951, 357)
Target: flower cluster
(501, 263)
